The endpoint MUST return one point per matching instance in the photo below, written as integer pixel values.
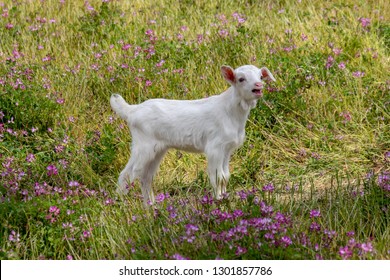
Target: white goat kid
(214, 126)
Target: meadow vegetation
(312, 180)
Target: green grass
(320, 135)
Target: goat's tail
(120, 106)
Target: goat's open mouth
(257, 91)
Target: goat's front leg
(226, 171)
(216, 172)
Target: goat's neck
(237, 107)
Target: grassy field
(312, 180)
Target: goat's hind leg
(126, 178)
(150, 169)
(132, 169)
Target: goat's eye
(241, 80)
(261, 78)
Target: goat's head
(248, 80)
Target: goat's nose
(259, 85)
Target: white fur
(214, 126)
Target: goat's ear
(266, 75)
(228, 74)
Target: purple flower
(189, 239)
(281, 218)
(367, 247)
(223, 33)
(63, 163)
(216, 212)
(59, 148)
(242, 194)
(172, 215)
(149, 32)
(322, 83)
(365, 22)
(95, 67)
(329, 62)
(268, 188)
(86, 234)
(384, 181)
(315, 213)
(126, 47)
(315, 227)
(347, 116)
(241, 250)
(178, 257)
(239, 18)
(40, 189)
(286, 241)
(358, 74)
(200, 38)
(55, 210)
(341, 65)
(206, 199)
(337, 51)
(330, 233)
(237, 213)
(289, 48)
(159, 64)
(109, 201)
(269, 236)
(241, 229)
(52, 170)
(73, 184)
(60, 101)
(30, 158)
(345, 252)
(315, 155)
(266, 209)
(47, 58)
(88, 6)
(67, 225)
(161, 197)
(14, 237)
(190, 228)
(225, 216)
